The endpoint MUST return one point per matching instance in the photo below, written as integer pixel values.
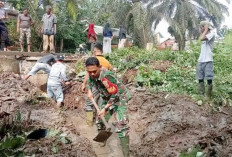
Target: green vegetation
(192, 153)
(138, 17)
(180, 76)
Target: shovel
(103, 135)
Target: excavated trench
(161, 124)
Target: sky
(163, 25)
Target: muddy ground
(20, 96)
(164, 125)
(161, 124)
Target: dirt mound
(129, 76)
(74, 97)
(14, 90)
(55, 147)
(160, 65)
(164, 125)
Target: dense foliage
(70, 32)
(139, 17)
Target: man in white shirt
(56, 77)
(205, 61)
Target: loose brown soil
(160, 65)
(129, 76)
(74, 97)
(14, 90)
(163, 125)
(19, 96)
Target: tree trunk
(144, 38)
(61, 45)
(181, 43)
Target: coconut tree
(185, 14)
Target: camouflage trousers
(118, 110)
(23, 32)
(121, 116)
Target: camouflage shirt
(110, 88)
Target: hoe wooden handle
(102, 117)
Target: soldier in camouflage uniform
(115, 97)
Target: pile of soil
(129, 76)
(14, 96)
(164, 125)
(14, 90)
(74, 97)
(160, 65)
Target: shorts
(23, 32)
(204, 71)
(55, 92)
(40, 66)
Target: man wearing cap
(43, 64)
(205, 61)
(3, 29)
(48, 29)
(56, 77)
(23, 27)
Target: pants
(4, 34)
(106, 45)
(55, 92)
(121, 43)
(204, 71)
(122, 117)
(40, 66)
(92, 44)
(27, 32)
(48, 40)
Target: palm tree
(139, 25)
(185, 14)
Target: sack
(48, 32)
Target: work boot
(201, 88)
(209, 90)
(89, 118)
(125, 146)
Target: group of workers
(102, 86)
(101, 83)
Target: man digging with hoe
(114, 97)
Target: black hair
(24, 9)
(99, 47)
(92, 61)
